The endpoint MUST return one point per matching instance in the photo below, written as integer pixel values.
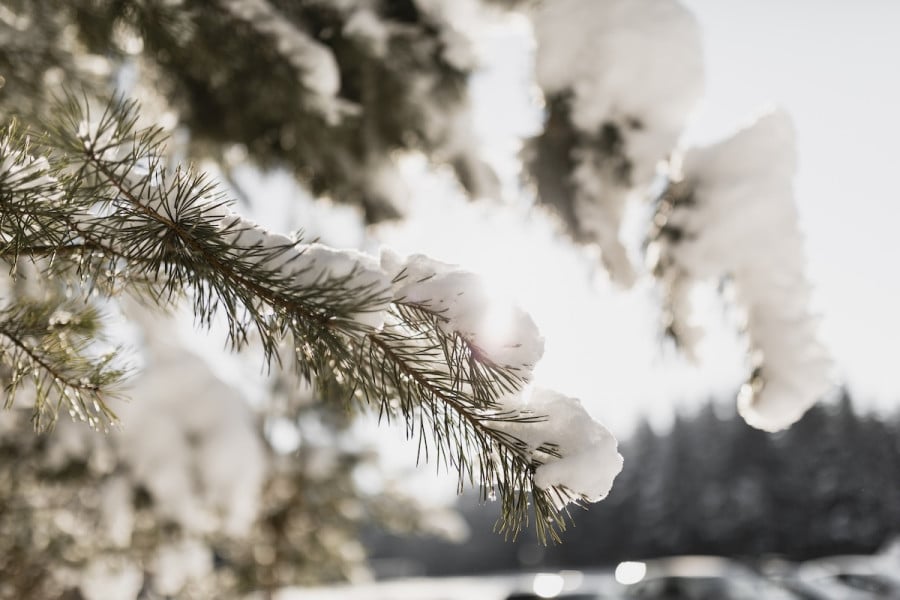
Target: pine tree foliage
(57, 530)
(725, 212)
(99, 201)
(344, 84)
(99, 204)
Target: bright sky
(833, 68)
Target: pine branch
(47, 345)
(111, 213)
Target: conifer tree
(100, 200)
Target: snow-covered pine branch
(314, 61)
(730, 213)
(403, 335)
(620, 78)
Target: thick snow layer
(179, 563)
(503, 334)
(743, 224)
(306, 265)
(106, 577)
(316, 63)
(634, 67)
(454, 18)
(364, 25)
(623, 59)
(588, 460)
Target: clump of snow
(588, 460)
(304, 265)
(202, 461)
(315, 61)
(364, 25)
(599, 207)
(117, 511)
(462, 148)
(503, 334)
(180, 563)
(386, 187)
(623, 59)
(107, 577)
(454, 18)
(740, 221)
(21, 171)
(632, 71)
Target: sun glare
(497, 327)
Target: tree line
(711, 484)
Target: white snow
(21, 171)
(108, 578)
(117, 510)
(633, 64)
(190, 441)
(455, 19)
(502, 333)
(316, 63)
(308, 265)
(363, 24)
(180, 563)
(385, 184)
(588, 460)
(744, 224)
(638, 59)
(463, 146)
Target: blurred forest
(710, 484)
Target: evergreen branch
(47, 344)
(118, 209)
(436, 397)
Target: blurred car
(696, 578)
(847, 578)
(563, 585)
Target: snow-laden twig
(732, 215)
(415, 339)
(621, 78)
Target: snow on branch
(314, 61)
(504, 336)
(577, 455)
(730, 213)
(620, 78)
(416, 339)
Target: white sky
(834, 69)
